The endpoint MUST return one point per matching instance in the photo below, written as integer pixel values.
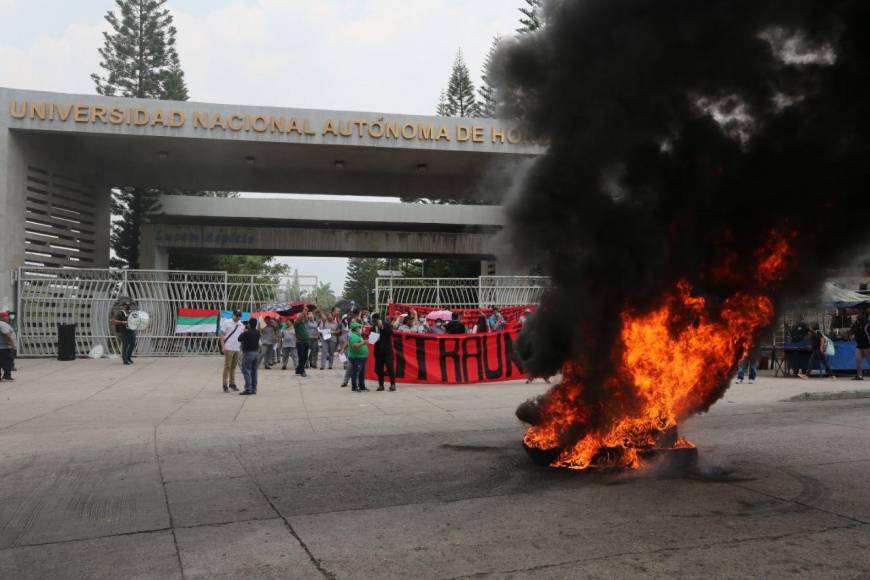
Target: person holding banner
(384, 357)
(357, 354)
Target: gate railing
(480, 292)
(88, 298)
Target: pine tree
(139, 60)
(360, 281)
(442, 110)
(139, 53)
(460, 91)
(487, 91)
(531, 17)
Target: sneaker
(8, 379)
(751, 381)
(802, 376)
(244, 393)
(226, 389)
(833, 377)
(283, 368)
(364, 389)
(381, 388)
(857, 378)
(354, 390)
(739, 381)
(343, 385)
(392, 387)
(234, 387)
(303, 375)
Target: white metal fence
(87, 298)
(481, 292)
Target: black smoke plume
(682, 132)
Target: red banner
(467, 315)
(452, 358)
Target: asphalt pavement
(151, 471)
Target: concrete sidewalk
(151, 471)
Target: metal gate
(481, 292)
(87, 298)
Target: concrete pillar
(151, 255)
(12, 187)
(103, 231)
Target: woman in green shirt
(358, 355)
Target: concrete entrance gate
(62, 153)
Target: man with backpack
(820, 345)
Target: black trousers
(385, 365)
(302, 351)
(7, 361)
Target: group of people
(820, 353)
(494, 322)
(250, 345)
(315, 334)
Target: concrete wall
(159, 238)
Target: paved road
(151, 471)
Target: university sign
(229, 121)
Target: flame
(673, 361)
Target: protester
(819, 344)
(250, 342)
(358, 354)
(329, 330)
(860, 332)
(482, 325)
(344, 329)
(301, 328)
(496, 321)
(313, 338)
(348, 370)
(268, 339)
(438, 327)
(231, 330)
(525, 317)
(384, 356)
(749, 365)
(126, 335)
(455, 326)
(8, 347)
(797, 360)
(288, 346)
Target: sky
(390, 56)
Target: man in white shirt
(231, 330)
(8, 346)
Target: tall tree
(360, 280)
(139, 60)
(487, 90)
(461, 101)
(442, 109)
(531, 19)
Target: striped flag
(196, 320)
